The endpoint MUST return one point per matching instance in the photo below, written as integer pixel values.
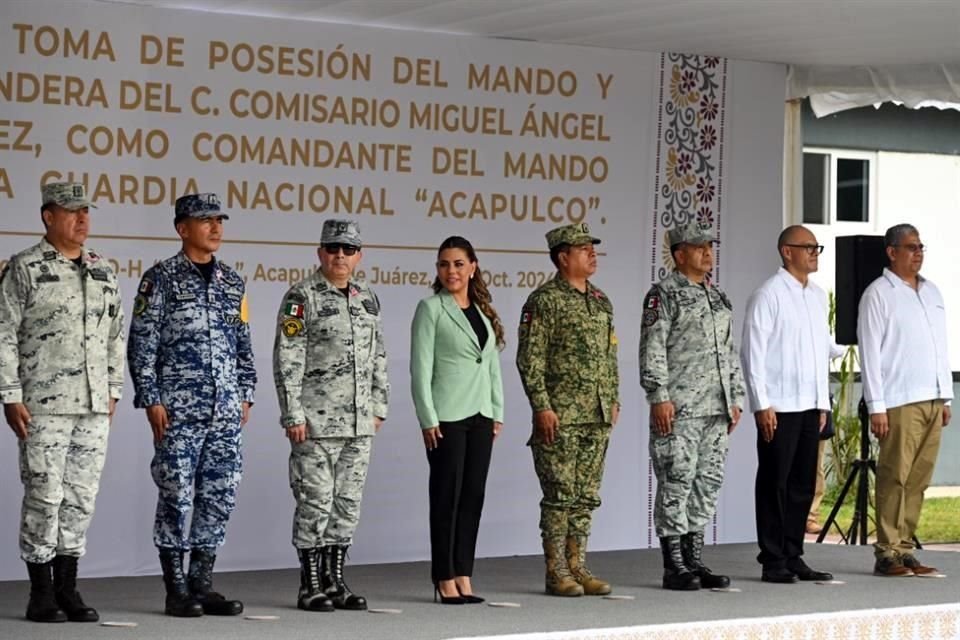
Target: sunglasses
(334, 249)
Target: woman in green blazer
(455, 346)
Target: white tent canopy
(810, 32)
(841, 53)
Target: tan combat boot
(559, 580)
(577, 561)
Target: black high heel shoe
(471, 599)
(446, 599)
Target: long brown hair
(477, 290)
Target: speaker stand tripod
(859, 473)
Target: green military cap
(691, 234)
(69, 195)
(570, 234)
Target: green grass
(939, 520)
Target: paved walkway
(942, 492)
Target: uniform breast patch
(292, 327)
(371, 307)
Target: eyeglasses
(812, 249)
(334, 249)
(913, 248)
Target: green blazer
(450, 376)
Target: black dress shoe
(778, 576)
(806, 574)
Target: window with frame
(839, 186)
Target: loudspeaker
(860, 261)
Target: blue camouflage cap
(69, 195)
(341, 232)
(198, 205)
(691, 234)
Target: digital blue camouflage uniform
(688, 357)
(61, 355)
(190, 351)
(330, 371)
(567, 359)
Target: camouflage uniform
(330, 370)
(567, 359)
(688, 357)
(190, 351)
(61, 355)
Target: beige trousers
(904, 469)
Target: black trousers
(458, 479)
(786, 480)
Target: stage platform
(863, 607)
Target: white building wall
(923, 190)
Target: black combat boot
(65, 591)
(43, 605)
(331, 579)
(311, 596)
(180, 603)
(692, 546)
(676, 575)
(200, 581)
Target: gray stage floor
(407, 587)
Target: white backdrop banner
(417, 137)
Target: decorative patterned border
(690, 139)
(932, 622)
(688, 185)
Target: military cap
(341, 232)
(691, 234)
(570, 234)
(69, 195)
(198, 205)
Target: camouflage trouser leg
(327, 477)
(219, 471)
(689, 467)
(570, 471)
(196, 467)
(60, 465)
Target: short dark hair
(555, 253)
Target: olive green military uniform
(567, 358)
(568, 362)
